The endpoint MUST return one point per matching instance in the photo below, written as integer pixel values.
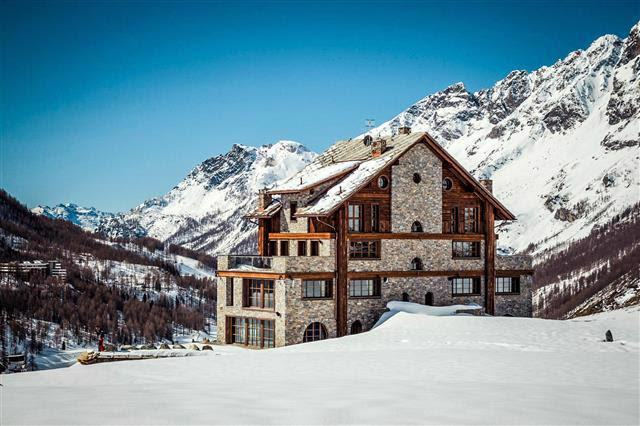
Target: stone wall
(412, 201)
(436, 255)
(237, 310)
(517, 305)
(518, 261)
(301, 224)
(302, 312)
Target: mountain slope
(88, 218)
(561, 142)
(204, 211)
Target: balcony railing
(258, 262)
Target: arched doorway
(405, 297)
(356, 327)
(315, 331)
(428, 299)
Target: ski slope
(412, 369)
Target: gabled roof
(273, 208)
(353, 160)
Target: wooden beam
(250, 274)
(302, 236)
(414, 236)
(490, 259)
(402, 274)
(263, 240)
(312, 275)
(513, 272)
(342, 256)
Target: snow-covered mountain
(88, 218)
(204, 211)
(560, 143)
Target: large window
(259, 294)
(364, 288)
(302, 248)
(317, 289)
(355, 218)
(465, 286)
(375, 217)
(229, 291)
(465, 249)
(507, 285)
(315, 331)
(470, 219)
(253, 332)
(453, 229)
(364, 249)
(315, 248)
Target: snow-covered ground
(412, 369)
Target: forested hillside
(607, 257)
(130, 290)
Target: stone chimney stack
(264, 199)
(488, 184)
(378, 146)
(404, 130)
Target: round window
(416, 177)
(383, 182)
(447, 184)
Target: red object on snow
(101, 344)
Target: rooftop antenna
(369, 124)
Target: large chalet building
(369, 221)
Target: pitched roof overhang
(326, 204)
(268, 212)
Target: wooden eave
(314, 184)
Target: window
(507, 285)
(229, 291)
(416, 227)
(315, 248)
(447, 184)
(302, 248)
(273, 248)
(284, 248)
(383, 182)
(364, 249)
(364, 288)
(356, 327)
(465, 286)
(315, 331)
(293, 210)
(375, 218)
(259, 293)
(317, 289)
(253, 332)
(405, 297)
(355, 218)
(470, 219)
(416, 177)
(468, 249)
(416, 264)
(428, 299)
(454, 220)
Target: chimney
(404, 130)
(488, 184)
(378, 147)
(264, 199)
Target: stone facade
(410, 201)
(421, 201)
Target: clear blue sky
(107, 104)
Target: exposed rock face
(550, 139)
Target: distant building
(369, 221)
(25, 269)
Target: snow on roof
(268, 211)
(341, 191)
(312, 175)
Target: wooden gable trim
(250, 274)
(301, 236)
